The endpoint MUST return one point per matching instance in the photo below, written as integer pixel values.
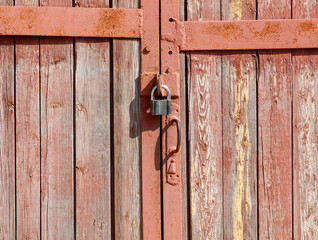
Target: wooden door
(81, 157)
(252, 123)
(70, 162)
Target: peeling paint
(236, 9)
(242, 191)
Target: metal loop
(159, 85)
(179, 135)
(164, 87)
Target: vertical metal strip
(150, 125)
(171, 164)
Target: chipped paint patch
(236, 9)
(308, 151)
(242, 199)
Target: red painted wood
(70, 22)
(247, 35)
(184, 140)
(126, 98)
(7, 137)
(239, 71)
(150, 125)
(275, 133)
(171, 183)
(205, 132)
(305, 142)
(57, 153)
(93, 146)
(27, 135)
(27, 138)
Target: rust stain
(59, 30)
(28, 16)
(109, 20)
(228, 30)
(270, 30)
(306, 26)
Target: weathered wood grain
(126, 100)
(28, 165)
(239, 132)
(305, 141)
(275, 134)
(7, 136)
(205, 133)
(27, 138)
(57, 153)
(305, 94)
(27, 135)
(57, 171)
(239, 145)
(93, 146)
(275, 161)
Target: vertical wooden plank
(93, 204)
(171, 159)
(205, 125)
(93, 146)
(305, 115)
(7, 136)
(239, 132)
(184, 137)
(57, 153)
(275, 140)
(127, 160)
(27, 134)
(239, 145)
(27, 138)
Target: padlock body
(160, 107)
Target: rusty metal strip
(150, 125)
(171, 163)
(247, 35)
(71, 22)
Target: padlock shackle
(163, 86)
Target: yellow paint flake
(242, 200)
(236, 9)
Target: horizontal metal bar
(71, 22)
(248, 35)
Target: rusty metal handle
(179, 135)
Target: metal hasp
(160, 107)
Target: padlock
(160, 106)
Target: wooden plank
(305, 106)
(247, 35)
(93, 134)
(184, 139)
(205, 136)
(70, 22)
(275, 134)
(28, 135)
(150, 125)
(239, 71)
(93, 205)
(171, 158)
(127, 161)
(57, 154)
(7, 136)
(27, 138)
